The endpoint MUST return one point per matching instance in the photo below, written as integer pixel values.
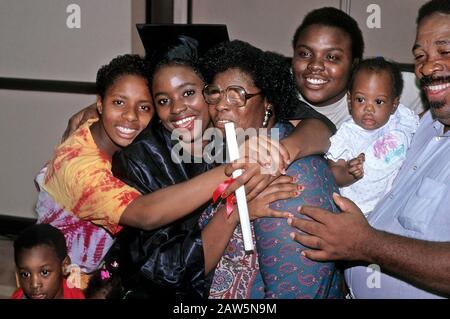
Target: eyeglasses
(236, 96)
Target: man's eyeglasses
(236, 96)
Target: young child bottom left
(40, 254)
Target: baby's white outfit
(384, 148)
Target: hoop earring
(267, 116)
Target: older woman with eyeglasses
(254, 89)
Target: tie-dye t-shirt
(79, 180)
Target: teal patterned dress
(277, 269)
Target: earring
(267, 116)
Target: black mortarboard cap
(158, 39)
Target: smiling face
(371, 99)
(432, 63)
(322, 64)
(125, 110)
(249, 116)
(41, 273)
(177, 93)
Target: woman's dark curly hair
(128, 64)
(270, 71)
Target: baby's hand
(356, 167)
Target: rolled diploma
(233, 150)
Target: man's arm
(348, 236)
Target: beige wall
(31, 125)
(396, 36)
(36, 43)
(267, 24)
(271, 24)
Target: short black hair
(332, 17)
(433, 6)
(269, 71)
(127, 64)
(379, 64)
(41, 234)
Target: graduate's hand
(78, 119)
(253, 177)
(281, 188)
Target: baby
(368, 150)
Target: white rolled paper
(241, 198)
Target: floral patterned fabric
(276, 269)
(237, 275)
(286, 273)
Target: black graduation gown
(167, 262)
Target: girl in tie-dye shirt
(78, 193)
